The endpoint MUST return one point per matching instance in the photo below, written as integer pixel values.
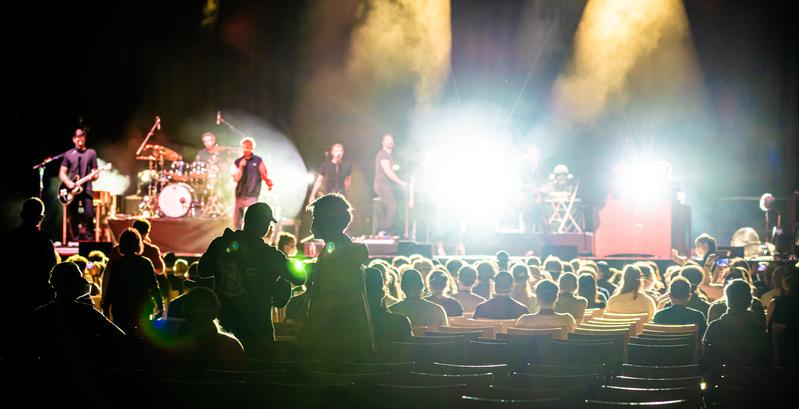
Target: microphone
(158, 123)
(218, 117)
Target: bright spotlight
(643, 180)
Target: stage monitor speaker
(407, 248)
(86, 247)
(563, 252)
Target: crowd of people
(221, 309)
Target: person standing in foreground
(250, 170)
(385, 177)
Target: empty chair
(436, 379)
(258, 364)
(569, 397)
(648, 339)
(602, 370)
(454, 333)
(368, 367)
(583, 352)
(660, 355)
(248, 376)
(198, 394)
(364, 378)
(670, 404)
(499, 370)
(584, 382)
(396, 396)
(423, 351)
(554, 333)
(283, 394)
(628, 329)
(692, 395)
(648, 371)
(486, 332)
(634, 382)
(536, 336)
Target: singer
(77, 163)
(250, 170)
(334, 175)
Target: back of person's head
(453, 266)
(520, 272)
(201, 305)
(399, 261)
(694, 274)
(412, 283)
(181, 267)
(485, 271)
(547, 292)
(142, 226)
(736, 273)
(467, 276)
(169, 259)
(575, 264)
(646, 270)
(332, 213)
(567, 268)
(535, 273)
(586, 285)
(533, 261)
(631, 280)
(790, 282)
(503, 259)
(97, 256)
(32, 212)
(80, 261)
(567, 283)
(375, 285)
(707, 240)
(193, 279)
(439, 281)
(68, 282)
(739, 295)
(680, 289)
(503, 282)
(423, 266)
(130, 242)
(553, 265)
(740, 263)
(285, 238)
(257, 219)
(603, 268)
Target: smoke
(400, 38)
(612, 38)
(111, 180)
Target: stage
(186, 236)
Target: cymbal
(163, 151)
(145, 157)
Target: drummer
(211, 150)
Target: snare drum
(176, 200)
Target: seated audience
(553, 266)
(467, 276)
(696, 276)
(586, 288)
(678, 313)
(630, 298)
(501, 307)
(521, 291)
(738, 337)
(503, 260)
(567, 302)
(603, 279)
(784, 309)
(387, 326)
(719, 306)
(419, 311)
(439, 284)
(547, 293)
(485, 276)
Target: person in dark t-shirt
(678, 313)
(385, 178)
(79, 162)
(334, 175)
(250, 171)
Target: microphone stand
(40, 167)
(232, 128)
(156, 125)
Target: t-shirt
(451, 305)
(421, 312)
(381, 180)
(80, 163)
(388, 326)
(469, 301)
(568, 303)
(130, 287)
(681, 315)
(334, 176)
(737, 338)
(548, 319)
(786, 311)
(626, 304)
(501, 307)
(150, 251)
(250, 183)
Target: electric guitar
(65, 195)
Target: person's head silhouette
(375, 285)
(32, 212)
(68, 282)
(331, 215)
(258, 219)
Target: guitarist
(77, 163)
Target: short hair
(411, 283)
(32, 210)
(399, 261)
(708, 240)
(694, 274)
(553, 264)
(454, 265)
(680, 288)
(333, 210)
(142, 226)
(467, 275)
(503, 282)
(546, 291)
(533, 261)
(423, 266)
(170, 258)
(502, 257)
(130, 242)
(438, 281)
(97, 256)
(201, 304)
(791, 280)
(65, 275)
(375, 284)
(520, 272)
(739, 295)
(284, 238)
(80, 261)
(247, 139)
(485, 270)
(181, 266)
(567, 283)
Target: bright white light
(311, 178)
(643, 180)
(111, 180)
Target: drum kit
(171, 187)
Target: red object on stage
(634, 227)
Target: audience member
(419, 311)
(438, 284)
(287, 243)
(387, 326)
(719, 306)
(586, 288)
(630, 299)
(567, 302)
(678, 313)
(696, 276)
(521, 291)
(501, 307)
(547, 293)
(467, 276)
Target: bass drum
(176, 200)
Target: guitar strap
(79, 170)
